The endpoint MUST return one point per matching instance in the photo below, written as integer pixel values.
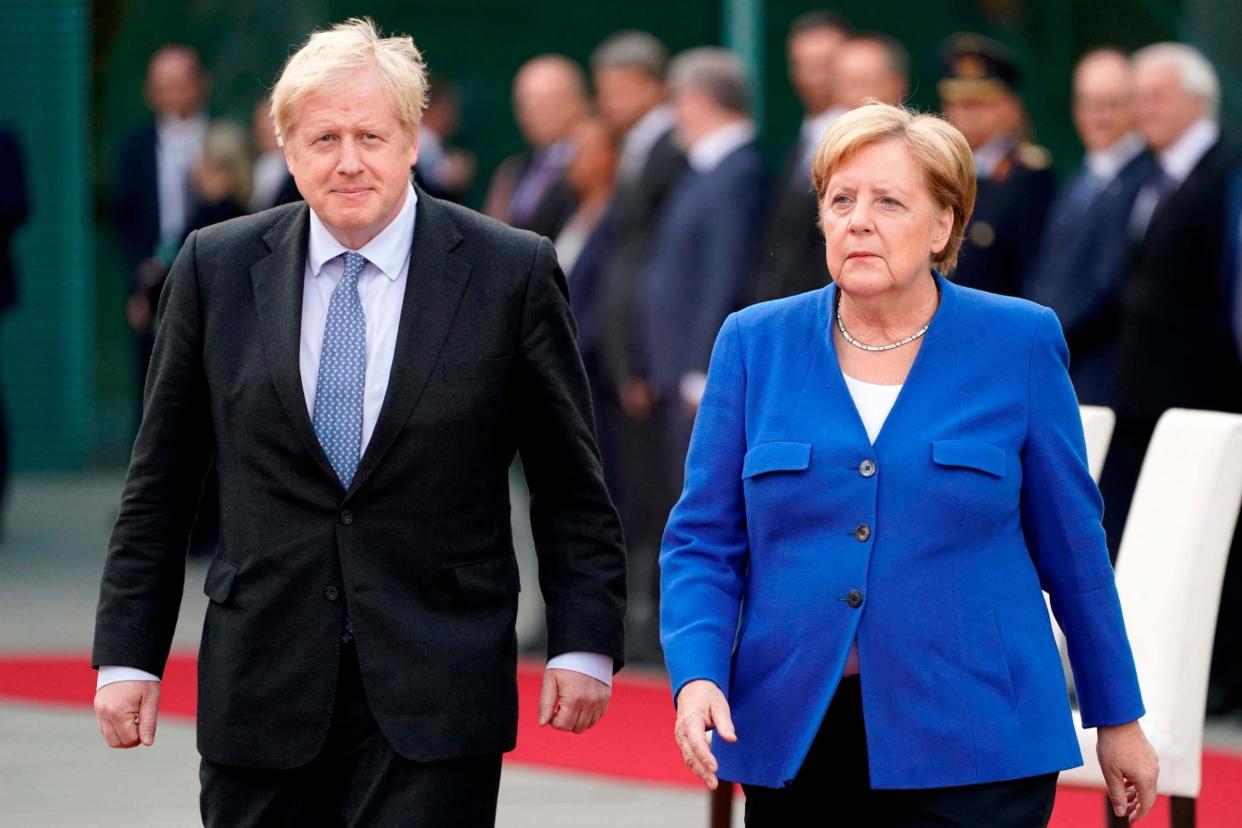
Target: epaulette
(1033, 156)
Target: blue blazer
(975, 495)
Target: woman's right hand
(701, 707)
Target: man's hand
(700, 707)
(127, 711)
(1130, 769)
(572, 701)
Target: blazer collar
(434, 287)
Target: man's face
(864, 70)
(980, 118)
(175, 85)
(1103, 101)
(811, 67)
(625, 94)
(547, 102)
(1165, 110)
(351, 156)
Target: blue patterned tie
(342, 374)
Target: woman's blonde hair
(226, 147)
(938, 146)
(331, 57)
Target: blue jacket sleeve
(704, 555)
(1061, 512)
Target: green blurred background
(70, 85)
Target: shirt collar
(1107, 163)
(388, 251)
(192, 127)
(709, 151)
(814, 127)
(989, 156)
(1182, 155)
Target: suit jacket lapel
(433, 290)
(278, 281)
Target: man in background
(791, 258)
(1079, 265)
(528, 190)
(152, 199)
(629, 71)
(14, 210)
(872, 66)
(443, 170)
(704, 245)
(272, 183)
(1015, 184)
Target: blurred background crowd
(673, 178)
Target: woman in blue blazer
(884, 474)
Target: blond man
(362, 367)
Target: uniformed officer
(978, 91)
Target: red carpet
(633, 742)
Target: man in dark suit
(1175, 347)
(629, 71)
(791, 258)
(152, 200)
(1225, 689)
(14, 210)
(1078, 268)
(528, 190)
(705, 242)
(363, 367)
(1015, 186)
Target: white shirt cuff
(111, 675)
(598, 667)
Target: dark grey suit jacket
(419, 547)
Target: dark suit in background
(532, 187)
(697, 275)
(1175, 349)
(419, 546)
(14, 210)
(792, 258)
(1004, 232)
(1079, 268)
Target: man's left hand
(572, 701)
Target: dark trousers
(357, 780)
(833, 788)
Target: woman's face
(880, 222)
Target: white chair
(1169, 572)
(1097, 426)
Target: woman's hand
(700, 707)
(1130, 769)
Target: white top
(270, 172)
(381, 287)
(1106, 164)
(812, 132)
(874, 402)
(177, 147)
(711, 149)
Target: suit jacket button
(331, 593)
(347, 517)
(862, 533)
(854, 598)
(867, 468)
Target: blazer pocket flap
(482, 369)
(970, 454)
(487, 581)
(773, 457)
(219, 582)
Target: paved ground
(54, 769)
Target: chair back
(1097, 425)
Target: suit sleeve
(705, 552)
(144, 575)
(577, 531)
(1061, 512)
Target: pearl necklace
(888, 347)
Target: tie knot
(354, 263)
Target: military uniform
(1015, 180)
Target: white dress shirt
(381, 287)
(1177, 161)
(711, 149)
(812, 133)
(177, 147)
(638, 141)
(874, 403)
(1107, 164)
(270, 172)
